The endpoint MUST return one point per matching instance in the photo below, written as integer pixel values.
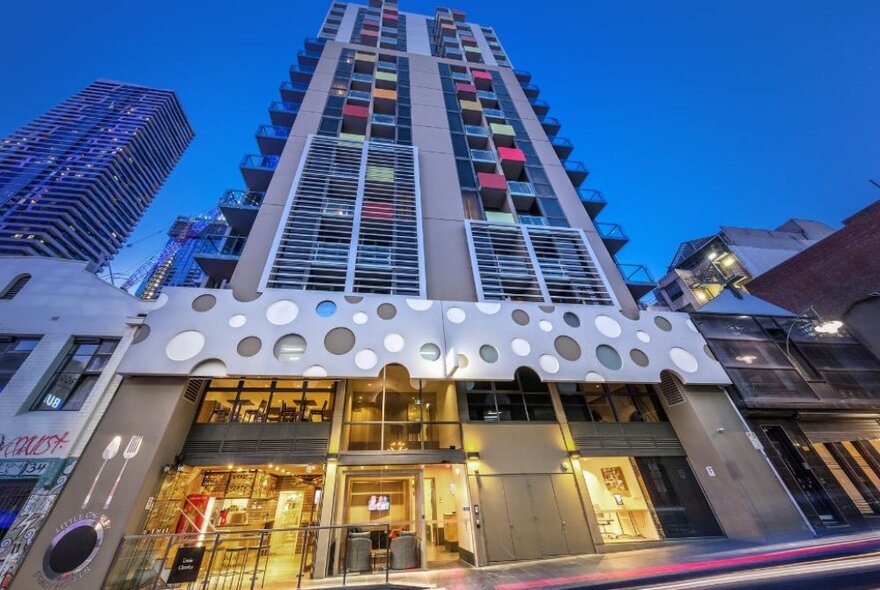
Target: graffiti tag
(35, 445)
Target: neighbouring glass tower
(419, 323)
(75, 181)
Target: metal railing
(589, 195)
(249, 559)
(635, 273)
(611, 231)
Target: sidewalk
(619, 569)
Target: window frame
(76, 389)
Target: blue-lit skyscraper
(76, 180)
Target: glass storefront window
(265, 400)
(647, 498)
(396, 413)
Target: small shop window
(77, 375)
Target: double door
(532, 517)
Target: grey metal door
(520, 511)
(545, 513)
(496, 524)
(574, 523)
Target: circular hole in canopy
(567, 348)
(608, 326)
(249, 346)
(204, 302)
(520, 317)
(639, 357)
(608, 357)
(488, 353)
(325, 309)
(339, 341)
(282, 312)
(185, 345)
(571, 319)
(386, 311)
(430, 352)
(663, 323)
(520, 346)
(290, 348)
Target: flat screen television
(379, 503)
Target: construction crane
(171, 248)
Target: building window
(13, 352)
(525, 399)
(396, 413)
(614, 402)
(74, 380)
(255, 401)
(14, 287)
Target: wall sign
(186, 566)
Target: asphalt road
(860, 572)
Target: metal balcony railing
(532, 220)
(635, 273)
(520, 188)
(551, 125)
(223, 245)
(611, 231)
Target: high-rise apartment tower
(75, 181)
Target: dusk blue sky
(689, 114)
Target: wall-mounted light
(574, 454)
(473, 457)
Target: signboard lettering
(33, 445)
(186, 566)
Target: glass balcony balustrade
(476, 131)
(531, 90)
(532, 220)
(243, 199)
(551, 125)
(523, 76)
(275, 131)
(494, 114)
(521, 188)
(611, 231)
(257, 162)
(593, 201)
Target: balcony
(308, 59)
(499, 217)
(577, 172)
(354, 119)
(484, 160)
(360, 96)
(512, 161)
(540, 106)
(271, 139)
(461, 77)
(612, 236)
(465, 91)
(384, 101)
(291, 92)
(593, 201)
(386, 80)
(477, 136)
(240, 209)
(386, 66)
(522, 76)
(220, 256)
(473, 54)
(502, 134)
(493, 188)
(522, 193)
(315, 45)
(488, 98)
(637, 278)
(370, 38)
(531, 90)
(533, 220)
(471, 112)
(562, 146)
(551, 125)
(301, 75)
(495, 115)
(482, 80)
(257, 171)
(361, 81)
(364, 63)
(383, 126)
(283, 113)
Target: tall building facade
(734, 256)
(176, 265)
(426, 349)
(75, 181)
